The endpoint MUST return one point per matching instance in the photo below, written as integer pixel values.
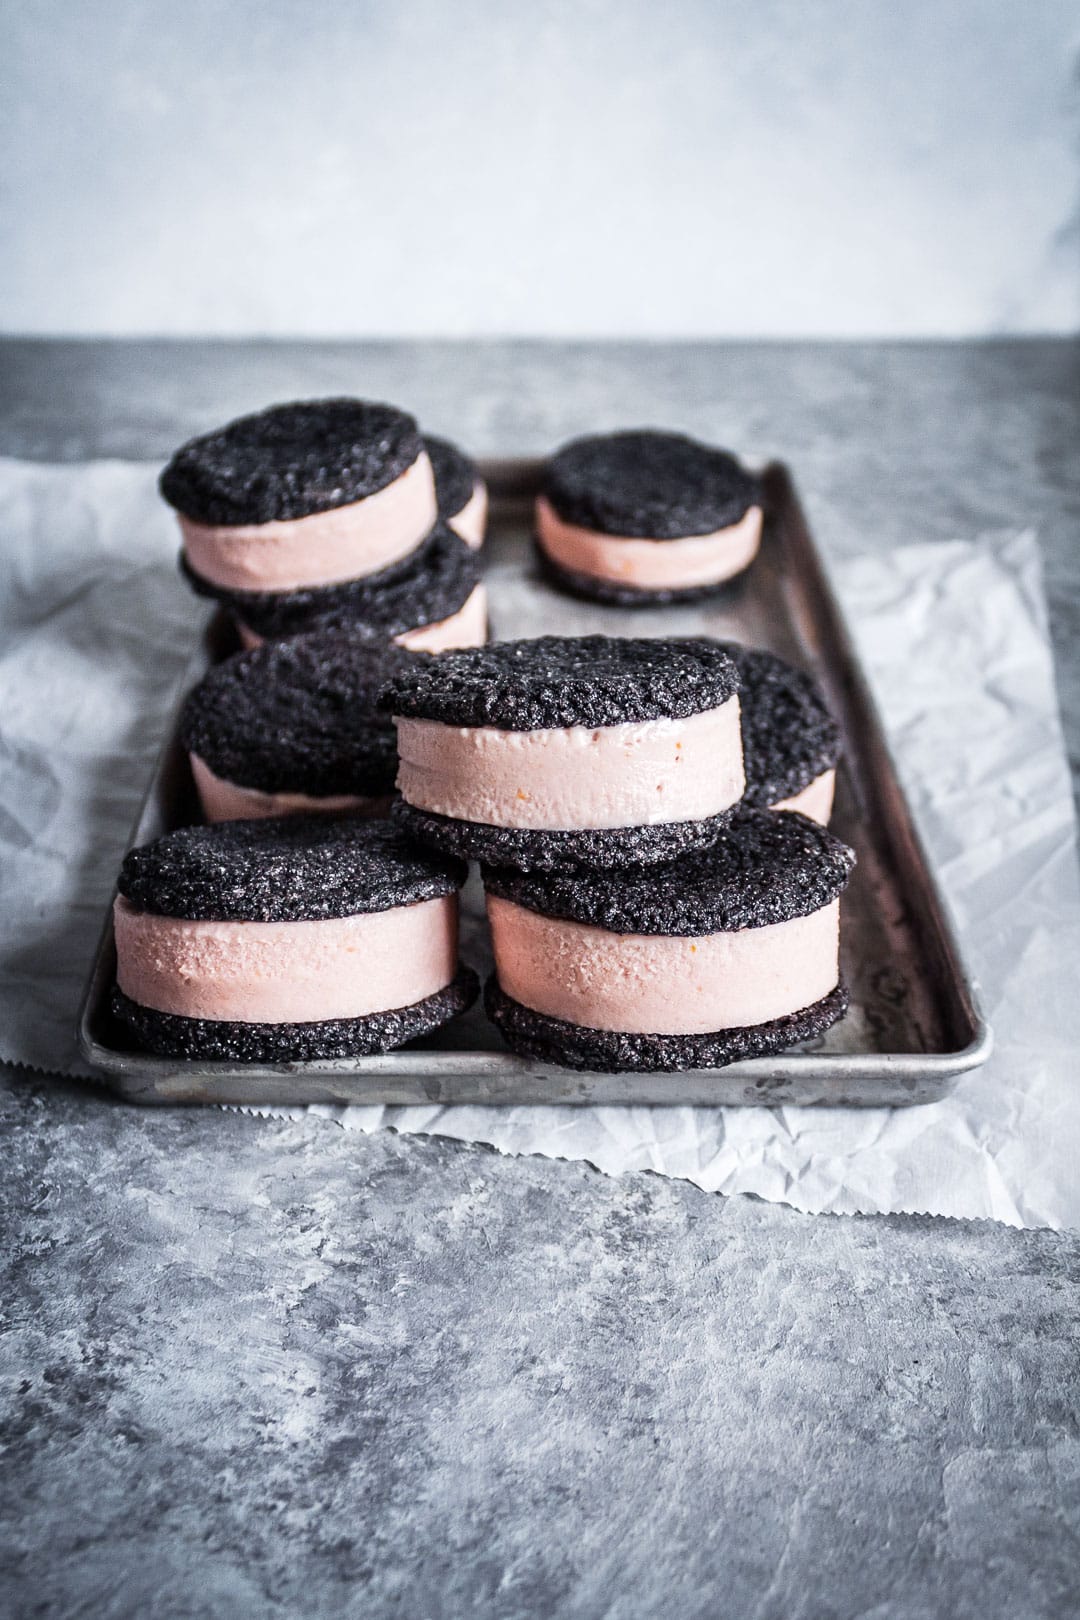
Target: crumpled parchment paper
(97, 627)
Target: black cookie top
(565, 681)
(648, 485)
(765, 867)
(789, 736)
(291, 869)
(432, 585)
(290, 461)
(455, 475)
(299, 715)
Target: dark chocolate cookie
(455, 475)
(424, 588)
(543, 850)
(290, 461)
(222, 1040)
(299, 716)
(289, 869)
(761, 867)
(648, 485)
(558, 681)
(789, 736)
(572, 1046)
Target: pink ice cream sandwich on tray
(286, 941)
(293, 727)
(727, 953)
(646, 517)
(319, 509)
(568, 750)
(314, 493)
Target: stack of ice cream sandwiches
(296, 924)
(333, 511)
(648, 814)
(652, 905)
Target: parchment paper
(96, 628)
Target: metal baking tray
(914, 1026)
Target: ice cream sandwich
(293, 727)
(569, 750)
(302, 496)
(727, 953)
(286, 941)
(646, 517)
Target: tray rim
(926, 1076)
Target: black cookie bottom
(573, 1046)
(540, 850)
(170, 1035)
(270, 612)
(613, 594)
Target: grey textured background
(262, 1369)
(617, 166)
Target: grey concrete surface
(255, 1368)
(258, 1369)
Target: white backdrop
(367, 167)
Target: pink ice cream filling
(465, 628)
(223, 800)
(286, 972)
(471, 522)
(655, 984)
(815, 800)
(650, 565)
(643, 773)
(325, 548)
